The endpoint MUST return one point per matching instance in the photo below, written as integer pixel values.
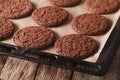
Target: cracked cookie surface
(15, 8)
(91, 24)
(64, 3)
(50, 16)
(102, 6)
(36, 37)
(6, 28)
(76, 46)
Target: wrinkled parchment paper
(66, 28)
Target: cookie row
(73, 45)
(86, 24)
(11, 9)
(94, 6)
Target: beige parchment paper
(66, 28)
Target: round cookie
(65, 3)
(91, 24)
(15, 8)
(35, 37)
(6, 28)
(76, 46)
(102, 6)
(50, 16)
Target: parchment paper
(67, 28)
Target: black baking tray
(99, 68)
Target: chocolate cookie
(91, 24)
(15, 8)
(50, 16)
(102, 6)
(76, 46)
(36, 37)
(65, 3)
(6, 28)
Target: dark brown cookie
(76, 46)
(15, 8)
(102, 6)
(36, 37)
(6, 28)
(65, 3)
(91, 24)
(50, 16)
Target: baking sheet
(67, 28)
